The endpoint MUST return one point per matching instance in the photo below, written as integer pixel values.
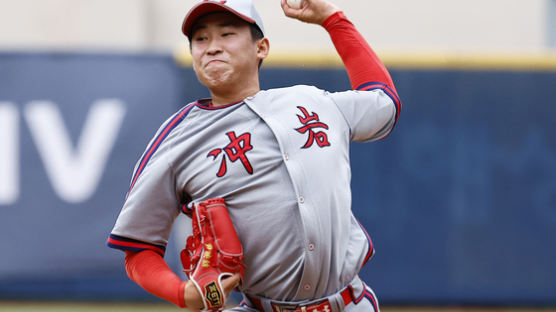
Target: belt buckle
(322, 306)
(284, 307)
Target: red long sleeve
(150, 271)
(365, 70)
(362, 64)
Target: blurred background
(460, 200)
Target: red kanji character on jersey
(235, 150)
(320, 137)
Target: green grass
(150, 307)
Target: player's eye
(227, 34)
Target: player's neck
(225, 97)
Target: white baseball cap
(243, 9)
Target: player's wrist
(334, 18)
(192, 298)
(328, 12)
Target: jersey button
(286, 156)
(311, 247)
(307, 287)
(301, 199)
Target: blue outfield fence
(460, 200)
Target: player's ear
(263, 48)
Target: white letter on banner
(9, 153)
(75, 174)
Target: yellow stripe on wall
(407, 60)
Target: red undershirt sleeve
(365, 70)
(361, 62)
(149, 270)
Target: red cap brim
(204, 8)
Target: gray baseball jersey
(280, 159)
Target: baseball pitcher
(264, 174)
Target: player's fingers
(230, 282)
(289, 11)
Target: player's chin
(216, 79)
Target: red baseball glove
(213, 252)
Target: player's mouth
(214, 62)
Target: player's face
(225, 56)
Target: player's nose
(214, 47)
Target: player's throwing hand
(311, 11)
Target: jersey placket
(304, 203)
